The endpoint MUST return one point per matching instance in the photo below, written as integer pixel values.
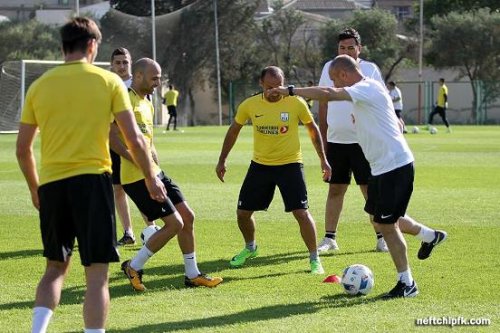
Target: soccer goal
(15, 79)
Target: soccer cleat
(381, 245)
(126, 240)
(316, 267)
(135, 277)
(402, 290)
(202, 280)
(426, 248)
(328, 244)
(240, 259)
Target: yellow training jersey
(171, 97)
(143, 111)
(443, 90)
(73, 105)
(275, 128)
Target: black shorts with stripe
(259, 185)
(80, 207)
(345, 160)
(153, 209)
(389, 194)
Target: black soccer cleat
(402, 290)
(426, 248)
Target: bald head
(345, 63)
(146, 76)
(344, 71)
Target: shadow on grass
(254, 315)
(21, 254)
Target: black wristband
(290, 90)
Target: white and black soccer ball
(357, 279)
(415, 130)
(148, 232)
(433, 130)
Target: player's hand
(327, 170)
(446, 105)
(156, 189)
(279, 90)
(220, 170)
(35, 199)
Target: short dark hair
(273, 70)
(120, 51)
(392, 83)
(348, 33)
(76, 34)
(441, 79)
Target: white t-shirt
(377, 127)
(395, 93)
(128, 82)
(339, 115)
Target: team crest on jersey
(284, 116)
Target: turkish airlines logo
(283, 129)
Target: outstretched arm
(322, 94)
(229, 141)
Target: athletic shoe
(402, 290)
(381, 245)
(426, 248)
(126, 240)
(316, 267)
(202, 280)
(328, 244)
(240, 259)
(135, 277)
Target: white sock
(406, 277)
(313, 255)
(94, 330)
(426, 234)
(41, 319)
(129, 232)
(251, 245)
(190, 265)
(140, 258)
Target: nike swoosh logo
(385, 216)
(303, 202)
(258, 115)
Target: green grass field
(457, 189)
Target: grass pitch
(457, 189)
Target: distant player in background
(441, 105)
(170, 100)
(175, 211)
(341, 144)
(72, 105)
(276, 162)
(391, 160)
(397, 101)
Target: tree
(443, 7)
(143, 8)
(469, 42)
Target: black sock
(379, 235)
(331, 234)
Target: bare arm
(26, 159)
(323, 123)
(229, 141)
(116, 144)
(315, 136)
(141, 154)
(322, 94)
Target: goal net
(15, 79)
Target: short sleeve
(242, 115)
(121, 100)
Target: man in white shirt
(341, 144)
(397, 101)
(391, 161)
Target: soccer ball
(148, 232)
(415, 130)
(357, 279)
(433, 130)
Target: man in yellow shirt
(441, 105)
(171, 97)
(277, 161)
(72, 105)
(175, 211)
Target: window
(402, 12)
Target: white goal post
(15, 78)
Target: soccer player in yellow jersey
(175, 212)
(441, 105)
(277, 161)
(170, 98)
(72, 105)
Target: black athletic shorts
(389, 194)
(260, 182)
(172, 110)
(153, 209)
(347, 159)
(82, 207)
(398, 113)
(115, 166)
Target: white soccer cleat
(381, 245)
(328, 244)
